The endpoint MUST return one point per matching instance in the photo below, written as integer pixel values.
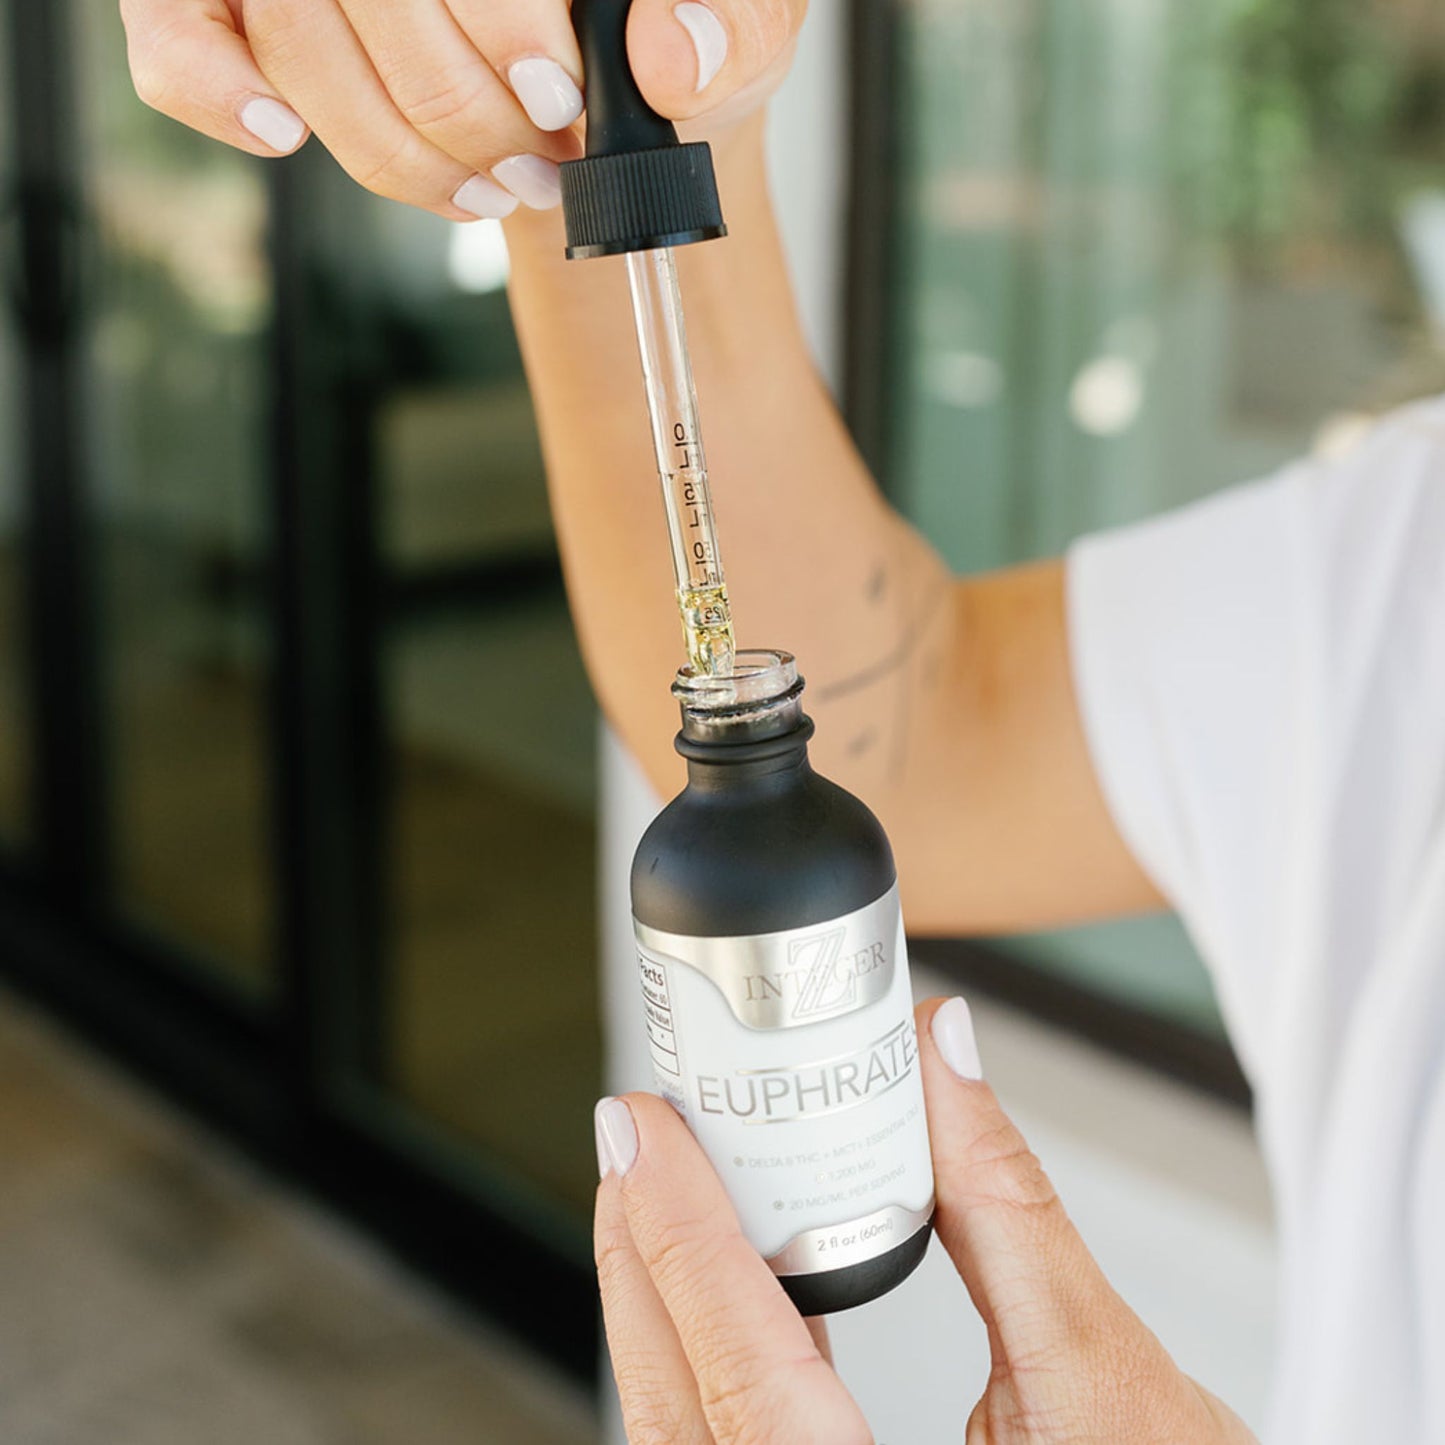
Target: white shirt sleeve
(1262, 683)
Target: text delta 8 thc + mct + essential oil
(775, 982)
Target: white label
(812, 1109)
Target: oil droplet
(707, 629)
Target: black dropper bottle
(775, 981)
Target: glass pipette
(702, 595)
(639, 192)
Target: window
(1140, 250)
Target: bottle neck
(778, 760)
(745, 726)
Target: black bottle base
(845, 1289)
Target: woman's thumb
(1028, 1271)
(694, 59)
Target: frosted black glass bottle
(775, 983)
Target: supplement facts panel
(661, 1032)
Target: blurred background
(312, 913)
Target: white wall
(1165, 1186)
(807, 150)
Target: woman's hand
(708, 1350)
(462, 107)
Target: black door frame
(48, 273)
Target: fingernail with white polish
(709, 39)
(273, 124)
(548, 94)
(534, 180)
(484, 198)
(616, 1137)
(604, 1163)
(952, 1030)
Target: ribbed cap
(640, 200)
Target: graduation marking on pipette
(702, 595)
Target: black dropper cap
(639, 187)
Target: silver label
(795, 977)
(836, 1246)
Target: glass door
(314, 784)
(484, 1035)
(176, 458)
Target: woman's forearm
(904, 663)
(816, 561)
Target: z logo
(821, 991)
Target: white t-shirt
(1262, 679)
